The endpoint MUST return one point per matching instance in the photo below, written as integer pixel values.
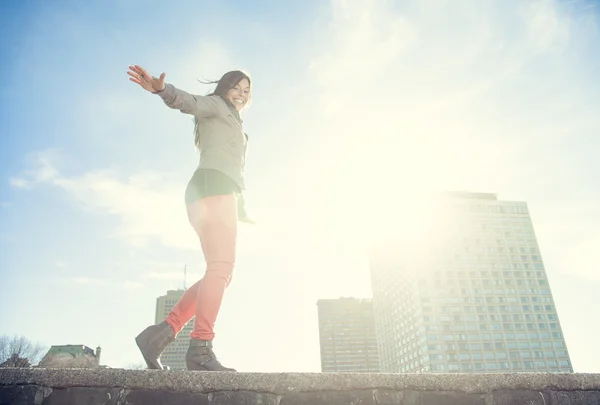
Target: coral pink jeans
(214, 219)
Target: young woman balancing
(212, 204)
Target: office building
(468, 293)
(347, 335)
(174, 354)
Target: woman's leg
(215, 221)
(153, 340)
(209, 199)
(203, 184)
(184, 310)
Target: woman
(212, 204)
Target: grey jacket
(222, 140)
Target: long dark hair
(224, 84)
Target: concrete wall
(146, 387)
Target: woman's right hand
(140, 76)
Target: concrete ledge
(282, 383)
(115, 386)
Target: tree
(18, 351)
(16, 361)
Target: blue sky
(356, 104)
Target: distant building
(174, 354)
(347, 335)
(471, 294)
(71, 356)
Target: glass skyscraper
(174, 354)
(347, 335)
(469, 295)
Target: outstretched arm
(173, 97)
(200, 106)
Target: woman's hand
(140, 76)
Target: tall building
(174, 354)
(347, 335)
(470, 294)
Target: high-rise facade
(174, 354)
(347, 335)
(470, 295)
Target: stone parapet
(36, 386)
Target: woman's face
(239, 95)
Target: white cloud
(548, 29)
(103, 282)
(148, 204)
(42, 170)
(363, 39)
(88, 281)
(20, 182)
(165, 275)
(131, 285)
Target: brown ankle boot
(201, 357)
(152, 342)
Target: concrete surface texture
(30, 386)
